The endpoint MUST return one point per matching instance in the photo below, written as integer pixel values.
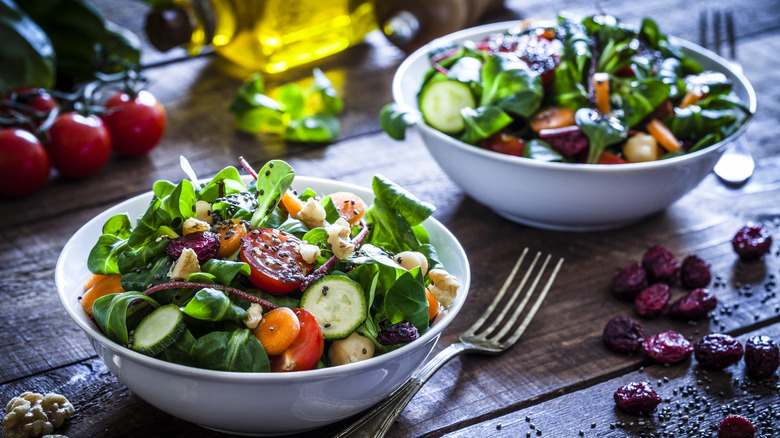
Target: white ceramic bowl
(564, 196)
(256, 403)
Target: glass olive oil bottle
(269, 36)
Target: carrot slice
(349, 205)
(601, 92)
(552, 118)
(663, 135)
(230, 234)
(433, 305)
(690, 98)
(106, 286)
(93, 280)
(277, 330)
(292, 203)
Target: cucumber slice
(158, 330)
(338, 304)
(441, 102)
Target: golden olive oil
(272, 36)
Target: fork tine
(716, 31)
(538, 303)
(507, 325)
(703, 29)
(730, 35)
(499, 296)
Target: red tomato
(305, 351)
(24, 163)
(79, 145)
(29, 106)
(36, 98)
(275, 260)
(504, 144)
(136, 124)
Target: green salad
(259, 278)
(577, 91)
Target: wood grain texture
(560, 364)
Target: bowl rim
(238, 377)
(486, 29)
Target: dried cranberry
(695, 272)
(629, 281)
(398, 333)
(667, 347)
(637, 398)
(735, 426)
(204, 243)
(661, 265)
(718, 351)
(762, 356)
(653, 300)
(623, 335)
(696, 305)
(568, 141)
(751, 242)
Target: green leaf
(179, 351)
(103, 256)
(539, 150)
(324, 90)
(26, 51)
(236, 350)
(155, 272)
(315, 128)
(225, 270)
(273, 180)
(406, 301)
(227, 182)
(110, 312)
(291, 96)
(140, 257)
(213, 305)
(394, 119)
(640, 98)
(601, 130)
(118, 225)
(509, 83)
(483, 122)
(399, 199)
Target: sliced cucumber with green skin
(338, 304)
(441, 102)
(158, 330)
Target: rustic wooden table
(558, 381)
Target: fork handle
(381, 417)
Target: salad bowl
(256, 404)
(563, 195)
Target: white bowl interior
(255, 403)
(564, 196)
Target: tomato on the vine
(24, 163)
(275, 260)
(78, 145)
(306, 350)
(136, 123)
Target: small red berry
(696, 305)
(653, 300)
(629, 281)
(694, 272)
(660, 264)
(735, 426)
(623, 335)
(636, 398)
(667, 347)
(751, 242)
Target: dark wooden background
(559, 379)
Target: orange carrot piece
(107, 286)
(601, 92)
(93, 280)
(230, 234)
(433, 305)
(663, 135)
(277, 330)
(292, 203)
(552, 118)
(690, 98)
(349, 205)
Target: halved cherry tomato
(275, 260)
(504, 144)
(305, 351)
(230, 234)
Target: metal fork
(490, 334)
(736, 165)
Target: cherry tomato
(305, 351)
(136, 123)
(504, 144)
(275, 260)
(36, 98)
(29, 106)
(24, 163)
(79, 145)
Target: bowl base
(565, 226)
